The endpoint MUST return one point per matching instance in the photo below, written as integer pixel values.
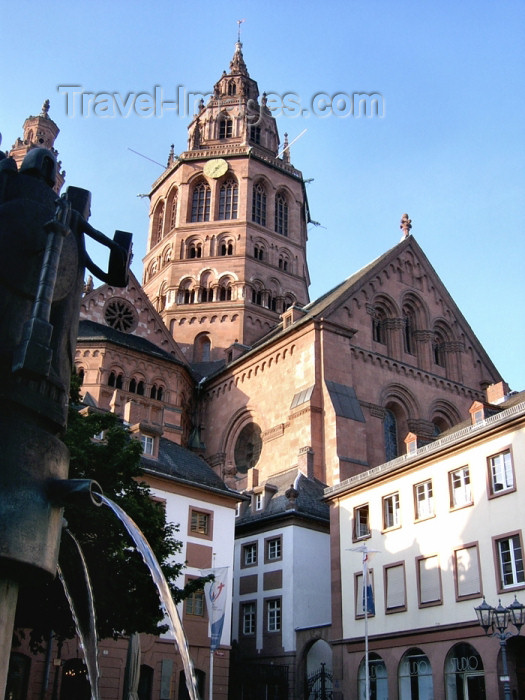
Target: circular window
(248, 448)
(120, 315)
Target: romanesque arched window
(378, 326)
(228, 196)
(157, 224)
(173, 198)
(259, 204)
(202, 348)
(195, 250)
(232, 88)
(206, 292)
(258, 251)
(226, 248)
(186, 292)
(281, 214)
(200, 202)
(438, 349)
(225, 289)
(390, 435)
(283, 263)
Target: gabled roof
(181, 465)
(149, 325)
(92, 331)
(326, 304)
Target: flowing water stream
(167, 604)
(73, 574)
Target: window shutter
(467, 571)
(429, 580)
(395, 587)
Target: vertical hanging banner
(216, 594)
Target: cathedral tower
(226, 252)
(39, 132)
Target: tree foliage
(126, 599)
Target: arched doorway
(75, 683)
(319, 671)
(464, 674)
(415, 676)
(378, 678)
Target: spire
(286, 149)
(237, 64)
(45, 110)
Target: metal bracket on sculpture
(119, 255)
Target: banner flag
(216, 594)
(368, 594)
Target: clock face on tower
(216, 167)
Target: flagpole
(210, 695)
(365, 598)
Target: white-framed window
(424, 500)
(391, 511)
(147, 444)
(259, 501)
(501, 472)
(248, 618)
(460, 493)
(361, 522)
(273, 611)
(273, 549)
(510, 560)
(249, 554)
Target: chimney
(305, 461)
(496, 393)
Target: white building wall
(305, 592)
(311, 577)
(478, 523)
(177, 512)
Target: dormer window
(147, 444)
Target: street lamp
(497, 619)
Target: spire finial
(406, 225)
(45, 109)
(239, 22)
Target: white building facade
(447, 525)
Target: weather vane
(239, 22)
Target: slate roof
(308, 504)
(184, 466)
(92, 331)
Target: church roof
(97, 332)
(326, 303)
(292, 494)
(181, 465)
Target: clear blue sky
(449, 149)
